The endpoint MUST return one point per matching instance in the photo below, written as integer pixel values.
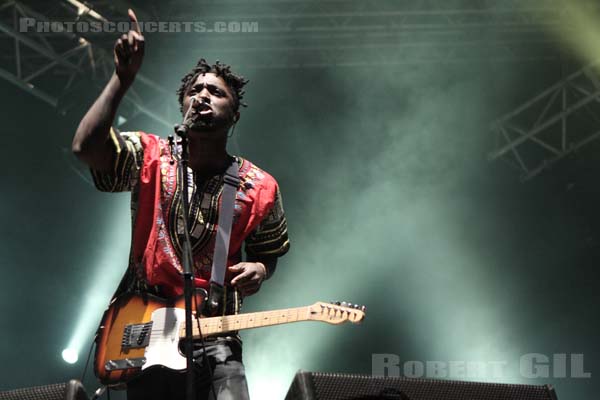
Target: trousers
(225, 361)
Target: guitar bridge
(136, 336)
(127, 363)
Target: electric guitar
(140, 332)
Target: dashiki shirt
(142, 165)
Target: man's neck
(208, 157)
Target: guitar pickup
(136, 336)
(114, 365)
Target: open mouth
(204, 109)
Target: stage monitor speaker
(72, 390)
(324, 386)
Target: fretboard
(227, 323)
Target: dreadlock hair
(233, 81)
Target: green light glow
(105, 273)
(579, 29)
(389, 225)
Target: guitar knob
(337, 303)
(344, 304)
(356, 306)
(363, 308)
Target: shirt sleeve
(128, 158)
(270, 237)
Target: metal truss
(291, 34)
(321, 33)
(304, 34)
(280, 16)
(550, 126)
(54, 66)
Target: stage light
(70, 355)
(83, 9)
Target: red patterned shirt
(142, 165)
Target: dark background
(391, 202)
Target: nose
(203, 96)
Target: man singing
(142, 163)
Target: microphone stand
(188, 274)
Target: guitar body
(136, 333)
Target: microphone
(181, 129)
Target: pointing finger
(134, 21)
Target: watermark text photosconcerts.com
(32, 25)
(530, 366)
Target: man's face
(213, 108)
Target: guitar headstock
(336, 312)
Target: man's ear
(236, 117)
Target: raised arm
(91, 143)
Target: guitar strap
(220, 256)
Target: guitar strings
(244, 322)
(237, 320)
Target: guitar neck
(228, 323)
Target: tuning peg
(344, 304)
(363, 308)
(337, 303)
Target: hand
(129, 52)
(249, 276)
